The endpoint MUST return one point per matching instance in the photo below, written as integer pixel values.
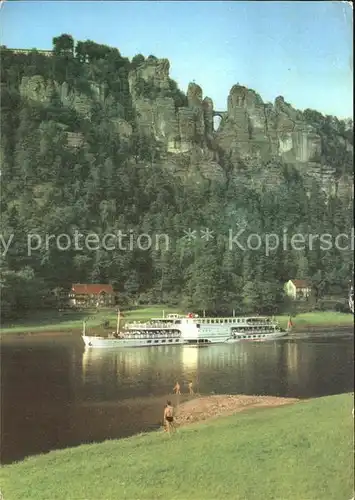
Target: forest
(107, 185)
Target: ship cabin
(194, 318)
(257, 320)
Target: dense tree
(63, 45)
(137, 61)
(106, 185)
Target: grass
(302, 451)
(47, 321)
(70, 320)
(319, 318)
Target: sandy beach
(204, 408)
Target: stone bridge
(222, 115)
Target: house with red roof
(92, 295)
(298, 289)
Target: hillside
(93, 143)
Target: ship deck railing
(149, 324)
(152, 335)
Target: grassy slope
(324, 318)
(69, 320)
(302, 451)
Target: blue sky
(301, 50)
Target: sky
(300, 50)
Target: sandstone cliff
(251, 133)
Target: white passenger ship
(158, 331)
(191, 330)
(230, 329)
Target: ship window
(149, 341)
(163, 340)
(156, 341)
(170, 340)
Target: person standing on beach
(191, 391)
(168, 417)
(177, 388)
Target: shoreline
(70, 323)
(146, 412)
(207, 408)
(76, 332)
(189, 409)
(227, 452)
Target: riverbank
(301, 450)
(54, 322)
(207, 408)
(72, 320)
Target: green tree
(63, 45)
(137, 61)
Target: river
(56, 394)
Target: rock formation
(251, 131)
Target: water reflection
(130, 362)
(49, 389)
(292, 368)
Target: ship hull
(257, 337)
(108, 343)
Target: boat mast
(118, 321)
(351, 299)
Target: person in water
(191, 391)
(168, 417)
(177, 388)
